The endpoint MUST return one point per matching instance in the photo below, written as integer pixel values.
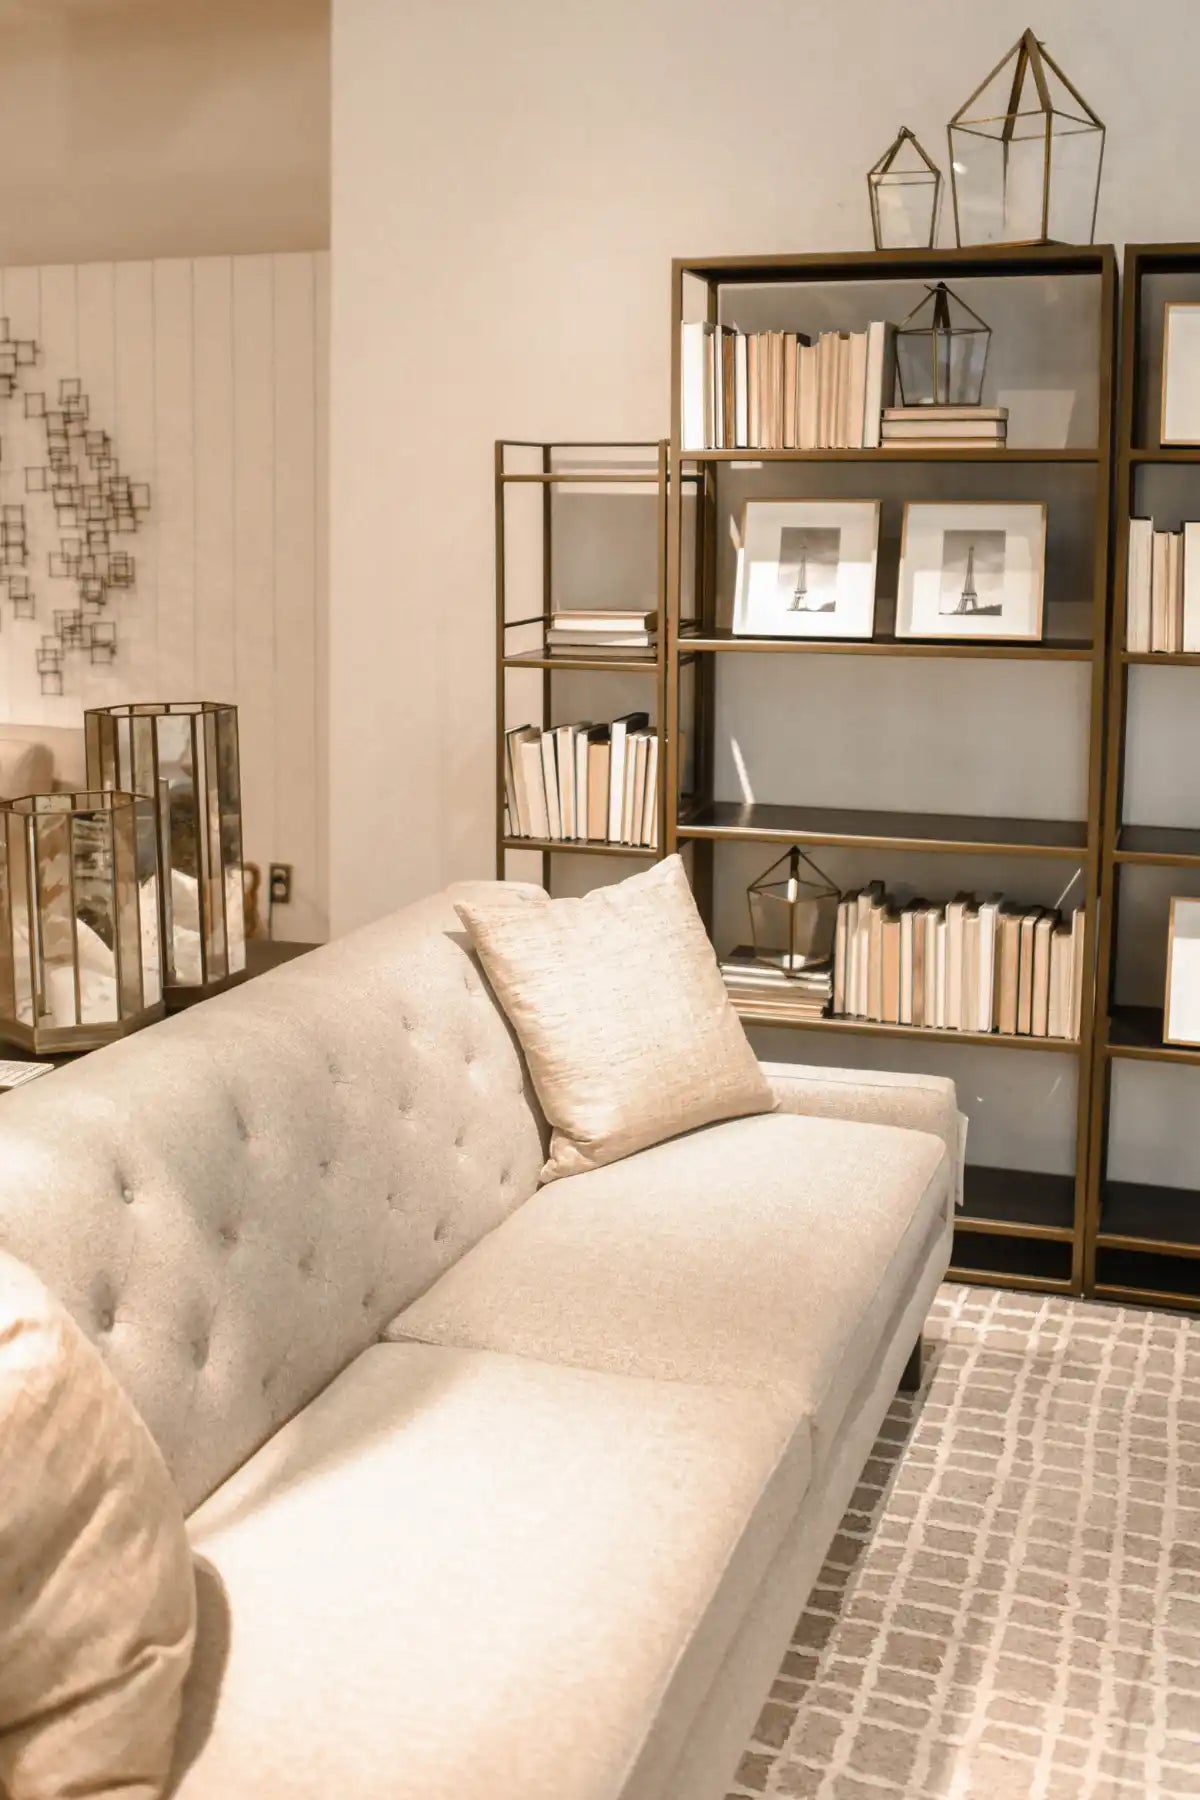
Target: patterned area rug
(1011, 1609)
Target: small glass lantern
(1025, 155)
(185, 754)
(79, 920)
(941, 352)
(792, 919)
(905, 187)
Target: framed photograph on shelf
(972, 570)
(806, 568)
(1181, 1021)
(1180, 422)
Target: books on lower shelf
(945, 427)
(602, 633)
(979, 966)
(583, 782)
(1162, 592)
(777, 390)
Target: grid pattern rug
(1011, 1608)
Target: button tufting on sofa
(127, 1195)
(106, 1321)
(228, 1234)
(200, 1352)
(441, 1230)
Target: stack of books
(776, 390)
(1162, 594)
(583, 783)
(945, 427)
(979, 966)
(602, 633)
(757, 987)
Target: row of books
(969, 965)
(777, 390)
(602, 633)
(584, 782)
(1162, 595)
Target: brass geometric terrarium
(1025, 155)
(792, 919)
(905, 187)
(941, 352)
(185, 756)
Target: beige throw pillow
(97, 1594)
(622, 1014)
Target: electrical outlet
(281, 884)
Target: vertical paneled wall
(211, 375)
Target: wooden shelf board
(1171, 846)
(1167, 453)
(1158, 659)
(991, 1040)
(1135, 1032)
(579, 847)
(891, 265)
(760, 822)
(535, 659)
(914, 453)
(1027, 1203)
(1149, 1296)
(1049, 650)
(1026, 1284)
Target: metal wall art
(94, 506)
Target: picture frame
(1179, 406)
(1181, 1006)
(972, 569)
(806, 569)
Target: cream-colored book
(890, 970)
(939, 975)
(1077, 994)
(1040, 1007)
(1025, 974)
(789, 390)
(532, 786)
(1058, 1012)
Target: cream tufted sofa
(496, 1493)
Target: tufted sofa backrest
(233, 1203)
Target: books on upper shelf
(967, 965)
(1162, 589)
(583, 782)
(601, 633)
(777, 390)
(758, 987)
(946, 427)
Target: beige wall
(510, 183)
(144, 128)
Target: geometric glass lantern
(79, 920)
(185, 755)
(941, 352)
(792, 919)
(906, 195)
(1025, 155)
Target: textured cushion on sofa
(768, 1252)
(459, 1576)
(97, 1597)
(620, 1008)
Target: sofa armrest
(877, 1097)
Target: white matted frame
(1179, 421)
(806, 568)
(1181, 1017)
(972, 569)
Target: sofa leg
(910, 1380)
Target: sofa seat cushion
(766, 1252)
(464, 1576)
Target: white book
(635, 783)
(531, 786)
(516, 826)
(741, 393)
(564, 756)
(695, 386)
(1159, 592)
(1059, 1014)
(880, 352)
(908, 927)
(1077, 934)
(1137, 585)
(939, 968)
(985, 1000)
(930, 921)
(649, 815)
(616, 770)
(720, 332)
(1174, 592)
(856, 390)
(629, 791)
(808, 376)
(955, 921)
(1191, 586)
(581, 782)
(550, 779)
